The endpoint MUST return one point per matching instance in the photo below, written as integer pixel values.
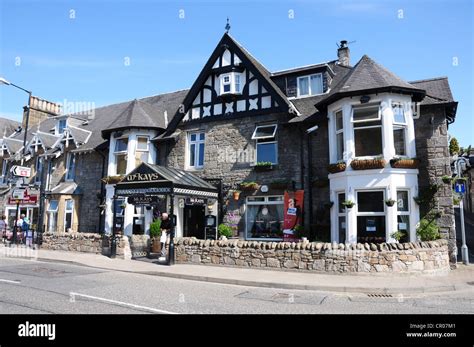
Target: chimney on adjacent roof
(343, 54)
(40, 110)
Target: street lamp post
(4, 81)
(464, 249)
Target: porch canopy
(148, 179)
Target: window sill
(263, 167)
(194, 169)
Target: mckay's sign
(21, 171)
(142, 199)
(142, 177)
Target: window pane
(118, 206)
(201, 136)
(53, 205)
(267, 152)
(264, 131)
(370, 201)
(142, 143)
(402, 201)
(399, 141)
(255, 198)
(192, 152)
(368, 142)
(193, 137)
(341, 198)
(68, 222)
(69, 205)
(121, 145)
(201, 154)
(316, 84)
(398, 114)
(339, 123)
(342, 229)
(370, 228)
(226, 79)
(366, 113)
(226, 88)
(237, 83)
(275, 198)
(403, 224)
(340, 146)
(61, 126)
(303, 86)
(121, 164)
(264, 221)
(71, 167)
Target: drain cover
(375, 295)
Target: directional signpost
(21, 171)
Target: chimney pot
(343, 54)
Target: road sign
(21, 171)
(18, 194)
(460, 187)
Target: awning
(150, 179)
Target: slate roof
(47, 139)
(68, 188)
(8, 126)
(367, 76)
(14, 145)
(437, 90)
(81, 136)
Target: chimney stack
(40, 110)
(343, 54)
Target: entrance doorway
(194, 221)
(30, 212)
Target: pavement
(458, 280)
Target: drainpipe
(102, 188)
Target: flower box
(337, 167)
(367, 164)
(348, 204)
(404, 163)
(263, 166)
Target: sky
(103, 52)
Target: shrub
(427, 230)
(225, 230)
(398, 235)
(155, 230)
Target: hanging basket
(337, 167)
(404, 163)
(367, 164)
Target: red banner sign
(293, 214)
(27, 199)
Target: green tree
(453, 146)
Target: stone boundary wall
(85, 242)
(411, 257)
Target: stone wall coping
(313, 246)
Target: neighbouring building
(242, 136)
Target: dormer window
(62, 123)
(230, 83)
(310, 85)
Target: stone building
(343, 134)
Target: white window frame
(368, 214)
(123, 152)
(310, 93)
(404, 213)
(4, 170)
(355, 127)
(339, 131)
(396, 126)
(255, 137)
(396, 105)
(233, 76)
(66, 212)
(49, 175)
(52, 214)
(35, 143)
(70, 172)
(266, 201)
(147, 150)
(196, 144)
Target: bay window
(367, 130)
(310, 85)
(230, 83)
(142, 151)
(264, 217)
(266, 143)
(196, 150)
(339, 135)
(120, 153)
(370, 216)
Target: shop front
(28, 206)
(149, 190)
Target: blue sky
(84, 58)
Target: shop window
(139, 220)
(310, 85)
(367, 130)
(68, 215)
(71, 167)
(120, 152)
(142, 151)
(196, 150)
(267, 145)
(264, 218)
(403, 214)
(371, 216)
(341, 217)
(119, 212)
(52, 215)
